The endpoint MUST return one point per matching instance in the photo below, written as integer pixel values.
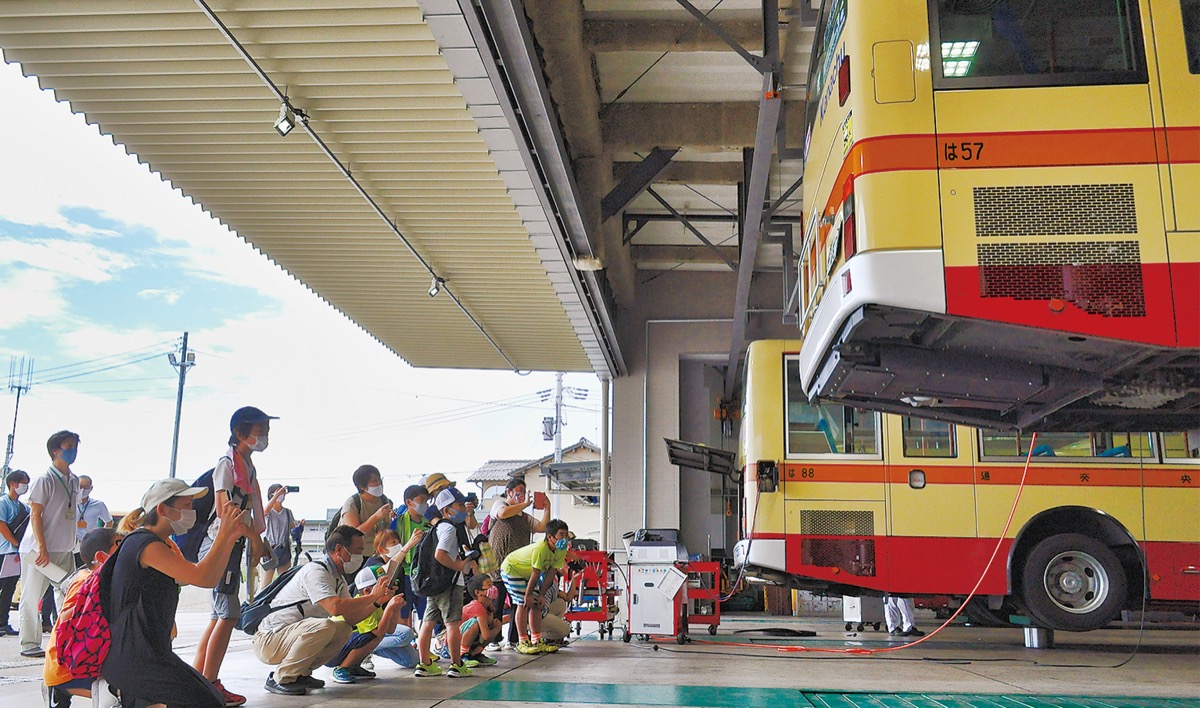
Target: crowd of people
(419, 585)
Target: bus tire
(1073, 583)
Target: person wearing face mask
(280, 522)
(235, 483)
(446, 607)
(512, 527)
(141, 596)
(480, 624)
(93, 514)
(14, 520)
(368, 509)
(302, 635)
(411, 527)
(47, 551)
(527, 572)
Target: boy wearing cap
(446, 607)
(48, 550)
(235, 481)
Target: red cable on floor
(999, 543)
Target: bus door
(931, 505)
(1176, 32)
(1048, 167)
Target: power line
(117, 355)
(119, 365)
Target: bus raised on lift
(1002, 212)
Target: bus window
(1191, 33)
(1116, 445)
(1035, 43)
(824, 429)
(927, 438)
(1175, 448)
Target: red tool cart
(704, 593)
(596, 599)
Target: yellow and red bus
(1002, 212)
(844, 500)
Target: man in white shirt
(302, 635)
(47, 551)
(93, 513)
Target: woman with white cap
(141, 594)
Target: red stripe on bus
(1082, 306)
(1043, 473)
(1174, 570)
(1185, 282)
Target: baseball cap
(448, 496)
(249, 414)
(165, 489)
(436, 482)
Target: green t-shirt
(539, 554)
(404, 527)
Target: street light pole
(185, 361)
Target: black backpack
(189, 541)
(429, 577)
(337, 515)
(20, 523)
(256, 610)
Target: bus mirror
(768, 476)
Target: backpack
(429, 577)
(82, 642)
(189, 541)
(256, 610)
(20, 523)
(337, 515)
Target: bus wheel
(1074, 583)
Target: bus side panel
(1172, 540)
(1179, 85)
(837, 541)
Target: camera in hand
(292, 488)
(472, 498)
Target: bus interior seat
(1043, 451)
(823, 426)
(1118, 451)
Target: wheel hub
(1076, 582)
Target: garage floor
(961, 666)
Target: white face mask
(186, 520)
(85, 492)
(376, 491)
(394, 550)
(22, 488)
(355, 562)
(260, 443)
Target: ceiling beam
(667, 36)
(694, 255)
(629, 127)
(635, 182)
(693, 172)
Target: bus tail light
(844, 81)
(849, 229)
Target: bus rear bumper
(763, 553)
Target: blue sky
(101, 261)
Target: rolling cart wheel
(859, 628)
(644, 638)
(849, 626)
(712, 630)
(579, 628)
(625, 636)
(681, 638)
(876, 626)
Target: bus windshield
(998, 43)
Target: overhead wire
(88, 362)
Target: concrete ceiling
(457, 171)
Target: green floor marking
(737, 697)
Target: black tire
(625, 636)
(712, 630)
(876, 626)
(849, 626)
(1073, 583)
(681, 638)
(859, 627)
(979, 614)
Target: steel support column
(687, 225)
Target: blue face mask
(561, 544)
(69, 454)
(457, 517)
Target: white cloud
(64, 259)
(167, 295)
(29, 296)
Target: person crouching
(301, 635)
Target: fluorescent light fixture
(955, 68)
(959, 50)
(435, 287)
(286, 120)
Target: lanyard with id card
(70, 513)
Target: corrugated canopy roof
(159, 77)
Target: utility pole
(20, 379)
(185, 361)
(558, 419)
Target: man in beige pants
(300, 634)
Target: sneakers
(442, 651)
(430, 669)
(458, 671)
(359, 672)
(912, 632)
(469, 663)
(34, 653)
(284, 689)
(7, 630)
(527, 648)
(507, 645)
(543, 647)
(343, 675)
(495, 646)
(309, 682)
(233, 699)
(483, 660)
(368, 664)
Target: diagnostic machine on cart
(656, 599)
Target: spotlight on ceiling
(286, 120)
(435, 287)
